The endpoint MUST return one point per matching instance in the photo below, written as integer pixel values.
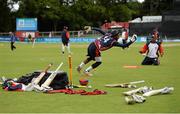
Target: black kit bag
(59, 82)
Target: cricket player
(152, 50)
(125, 35)
(107, 41)
(13, 40)
(11, 85)
(65, 40)
(154, 34)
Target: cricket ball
(83, 82)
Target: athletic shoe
(87, 73)
(167, 90)
(79, 69)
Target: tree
(48, 12)
(90, 12)
(135, 8)
(54, 14)
(5, 20)
(120, 13)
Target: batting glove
(133, 38)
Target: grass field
(26, 59)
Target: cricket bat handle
(52, 76)
(48, 67)
(137, 82)
(37, 80)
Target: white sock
(89, 69)
(68, 48)
(81, 65)
(63, 48)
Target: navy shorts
(150, 61)
(93, 51)
(65, 43)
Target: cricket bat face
(151, 93)
(164, 90)
(49, 80)
(37, 80)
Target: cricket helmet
(155, 33)
(83, 82)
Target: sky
(140, 1)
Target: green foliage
(54, 14)
(5, 20)
(122, 13)
(135, 9)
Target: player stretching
(125, 35)
(107, 41)
(65, 39)
(152, 50)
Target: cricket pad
(59, 82)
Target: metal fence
(73, 34)
(169, 29)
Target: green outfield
(26, 59)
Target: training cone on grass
(131, 66)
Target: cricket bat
(51, 77)
(125, 85)
(137, 82)
(80, 86)
(158, 91)
(153, 92)
(37, 80)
